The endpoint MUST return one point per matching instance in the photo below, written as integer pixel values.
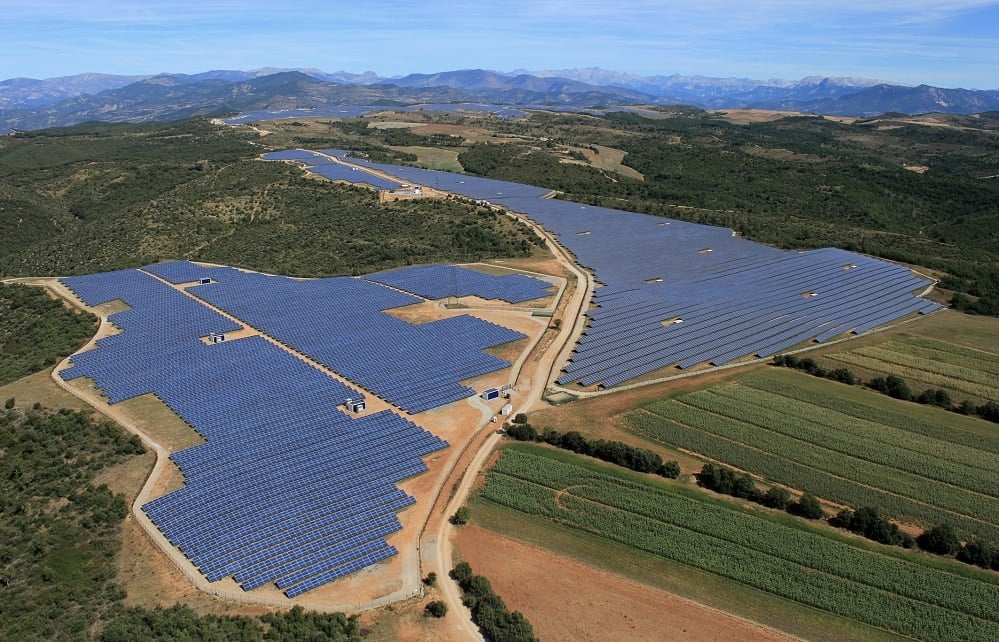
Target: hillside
(102, 197)
(27, 104)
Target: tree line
(638, 459)
(893, 386)
(489, 612)
(940, 539)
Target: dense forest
(60, 533)
(98, 197)
(37, 330)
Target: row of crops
(783, 557)
(925, 362)
(842, 450)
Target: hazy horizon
(949, 43)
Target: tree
(437, 608)
(896, 387)
(522, 432)
(977, 553)
(670, 470)
(9, 403)
(575, 442)
(745, 488)
(777, 497)
(460, 516)
(430, 579)
(461, 572)
(941, 539)
(808, 507)
(520, 418)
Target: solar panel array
(287, 489)
(441, 281)
(682, 294)
(340, 322)
(319, 164)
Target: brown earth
(567, 600)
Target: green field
(908, 593)
(925, 363)
(861, 449)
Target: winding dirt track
(538, 371)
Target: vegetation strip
(826, 430)
(985, 439)
(702, 415)
(778, 469)
(805, 566)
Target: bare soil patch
(39, 388)
(610, 158)
(567, 600)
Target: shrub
(520, 418)
(777, 498)
(430, 579)
(808, 507)
(522, 432)
(941, 539)
(9, 403)
(437, 608)
(978, 554)
(460, 516)
(670, 470)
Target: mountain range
(27, 103)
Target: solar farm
(292, 490)
(678, 295)
(288, 488)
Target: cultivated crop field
(859, 449)
(926, 363)
(906, 593)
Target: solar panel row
(720, 297)
(340, 322)
(287, 489)
(442, 281)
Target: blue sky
(947, 43)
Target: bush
(745, 488)
(437, 608)
(430, 579)
(520, 418)
(522, 432)
(460, 516)
(489, 612)
(896, 387)
(9, 403)
(941, 539)
(670, 470)
(808, 507)
(935, 397)
(777, 498)
(461, 572)
(989, 411)
(978, 554)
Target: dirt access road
(538, 370)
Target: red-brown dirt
(567, 600)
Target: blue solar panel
(653, 270)
(286, 485)
(442, 281)
(341, 323)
